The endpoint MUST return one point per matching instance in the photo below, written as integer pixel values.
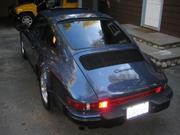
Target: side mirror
(22, 27)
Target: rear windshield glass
(93, 33)
(105, 59)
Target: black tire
(47, 100)
(23, 52)
(27, 18)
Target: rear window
(105, 59)
(93, 33)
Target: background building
(159, 15)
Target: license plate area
(137, 110)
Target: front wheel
(27, 19)
(46, 96)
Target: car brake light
(158, 89)
(103, 104)
(76, 105)
(87, 106)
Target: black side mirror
(22, 27)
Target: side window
(43, 31)
(50, 37)
(114, 29)
(38, 27)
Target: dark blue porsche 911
(91, 67)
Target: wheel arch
(27, 12)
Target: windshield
(93, 33)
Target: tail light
(158, 89)
(87, 106)
(76, 105)
(105, 104)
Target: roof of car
(63, 14)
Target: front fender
(31, 7)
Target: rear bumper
(157, 103)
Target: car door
(57, 59)
(53, 54)
(33, 45)
(62, 69)
(37, 31)
(25, 42)
(28, 43)
(53, 47)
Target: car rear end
(125, 88)
(125, 83)
(151, 100)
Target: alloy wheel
(43, 84)
(27, 20)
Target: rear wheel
(46, 96)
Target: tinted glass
(93, 33)
(72, 1)
(111, 58)
(39, 27)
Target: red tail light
(158, 89)
(76, 105)
(126, 99)
(87, 106)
